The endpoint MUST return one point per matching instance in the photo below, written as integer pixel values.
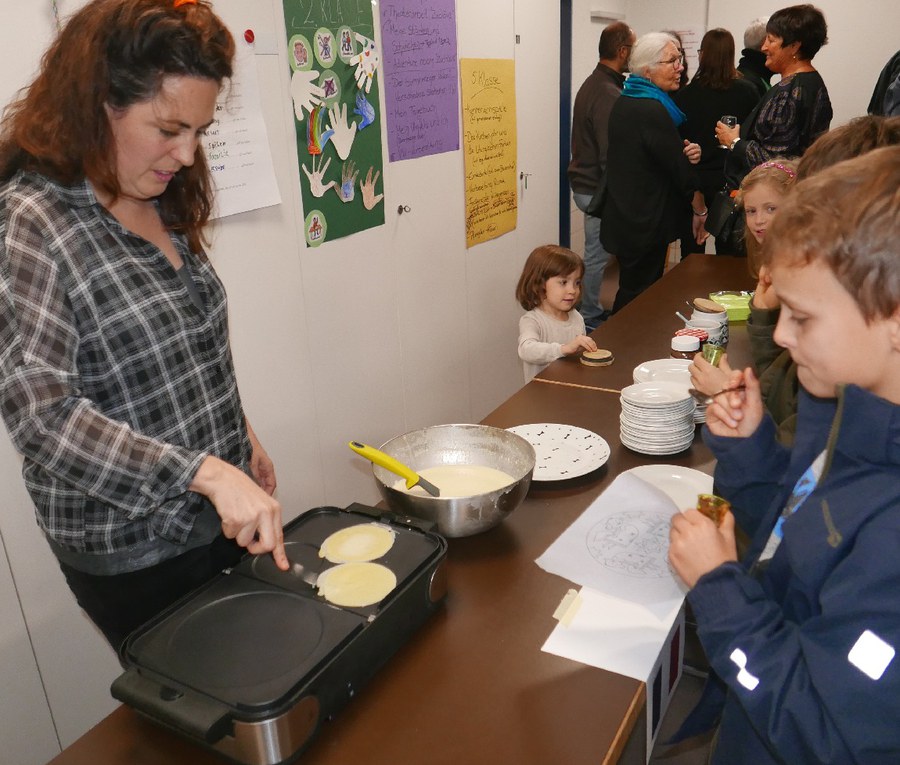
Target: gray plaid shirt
(113, 385)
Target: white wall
(27, 709)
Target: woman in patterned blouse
(796, 110)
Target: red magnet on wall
(249, 36)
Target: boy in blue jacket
(802, 634)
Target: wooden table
(644, 331)
(473, 685)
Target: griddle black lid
(244, 643)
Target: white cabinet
(27, 736)
(58, 662)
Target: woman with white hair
(649, 171)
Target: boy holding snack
(802, 634)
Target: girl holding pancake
(549, 289)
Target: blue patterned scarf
(640, 87)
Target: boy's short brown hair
(859, 136)
(848, 217)
(544, 263)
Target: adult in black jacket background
(590, 118)
(753, 61)
(717, 89)
(650, 176)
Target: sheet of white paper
(237, 145)
(619, 547)
(612, 634)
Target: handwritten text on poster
(489, 141)
(418, 39)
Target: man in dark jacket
(753, 61)
(593, 104)
(886, 96)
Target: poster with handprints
(335, 73)
(619, 546)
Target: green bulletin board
(337, 115)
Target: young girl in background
(762, 191)
(548, 290)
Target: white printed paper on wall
(237, 144)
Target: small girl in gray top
(549, 289)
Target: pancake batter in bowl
(460, 480)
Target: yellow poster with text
(488, 91)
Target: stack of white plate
(669, 370)
(657, 418)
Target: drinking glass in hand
(729, 120)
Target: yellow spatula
(386, 461)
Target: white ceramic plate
(657, 450)
(657, 437)
(681, 484)
(683, 409)
(655, 394)
(563, 451)
(663, 370)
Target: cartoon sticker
(331, 87)
(300, 53)
(324, 42)
(347, 44)
(316, 228)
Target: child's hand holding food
(578, 344)
(736, 411)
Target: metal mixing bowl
(459, 445)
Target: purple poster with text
(421, 84)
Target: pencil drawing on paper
(633, 544)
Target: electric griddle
(252, 663)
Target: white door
(537, 106)
(27, 736)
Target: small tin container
(685, 346)
(705, 305)
(701, 334)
